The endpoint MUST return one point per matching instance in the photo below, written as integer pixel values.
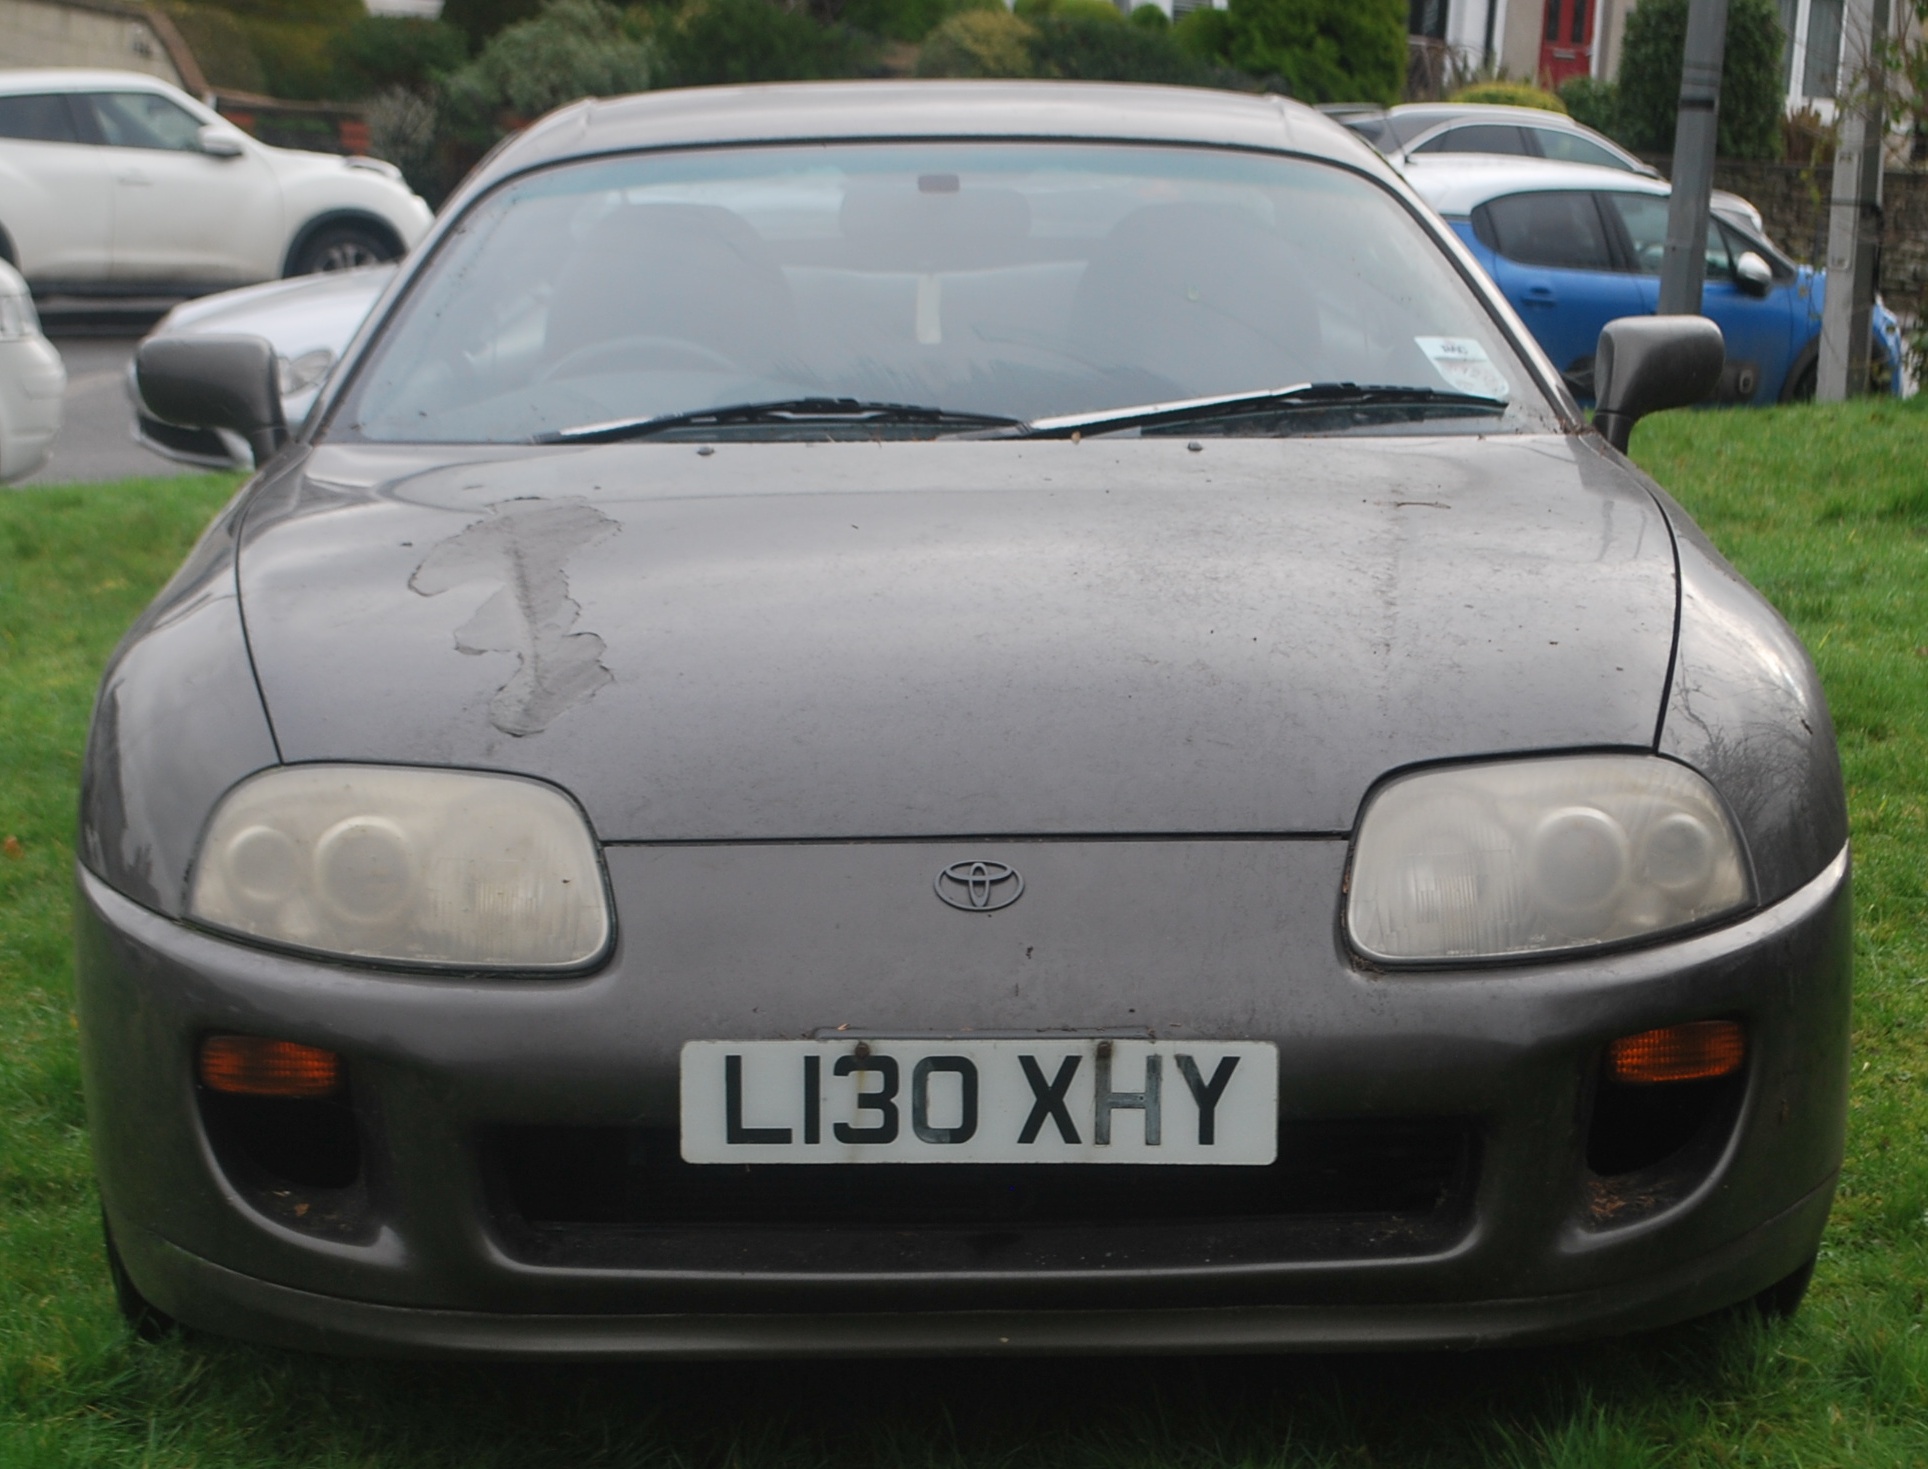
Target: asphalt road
(96, 437)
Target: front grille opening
(1639, 1127)
(1650, 1146)
(300, 1162)
(623, 1195)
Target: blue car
(1574, 246)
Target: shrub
(1084, 48)
(1151, 18)
(380, 52)
(481, 19)
(221, 45)
(574, 48)
(979, 43)
(1098, 10)
(1751, 98)
(1509, 94)
(907, 20)
(712, 42)
(1320, 50)
(297, 58)
(1594, 103)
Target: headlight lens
(1538, 856)
(17, 317)
(413, 866)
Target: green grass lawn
(1825, 509)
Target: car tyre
(149, 1321)
(1782, 1299)
(341, 247)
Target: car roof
(788, 112)
(79, 79)
(1485, 111)
(1458, 183)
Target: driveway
(96, 439)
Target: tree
(1647, 96)
(574, 48)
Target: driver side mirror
(215, 382)
(219, 142)
(1753, 273)
(1647, 363)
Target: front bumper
(1180, 937)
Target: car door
(183, 216)
(1759, 329)
(56, 193)
(1551, 255)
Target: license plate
(1075, 1099)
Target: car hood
(900, 640)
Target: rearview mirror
(215, 382)
(1647, 363)
(1754, 273)
(219, 142)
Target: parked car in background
(32, 381)
(982, 717)
(115, 183)
(1427, 130)
(307, 320)
(1574, 246)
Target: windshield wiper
(1301, 397)
(783, 412)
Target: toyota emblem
(980, 887)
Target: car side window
(1479, 137)
(1563, 230)
(1572, 148)
(144, 120)
(1645, 219)
(38, 118)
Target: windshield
(996, 281)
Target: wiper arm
(1283, 400)
(786, 411)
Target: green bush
(574, 48)
(907, 20)
(1151, 18)
(714, 42)
(979, 43)
(1509, 94)
(380, 52)
(221, 45)
(1321, 50)
(1593, 102)
(1099, 10)
(1084, 48)
(297, 57)
(1751, 98)
(481, 19)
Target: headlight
(17, 317)
(414, 866)
(1537, 856)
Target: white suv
(116, 183)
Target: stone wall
(1793, 197)
(64, 33)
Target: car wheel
(1783, 1298)
(341, 247)
(149, 1321)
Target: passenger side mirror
(215, 382)
(219, 142)
(1753, 273)
(1647, 363)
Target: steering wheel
(637, 351)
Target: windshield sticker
(1465, 366)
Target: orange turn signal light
(254, 1066)
(1700, 1050)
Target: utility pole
(1683, 269)
(1854, 211)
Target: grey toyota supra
(979, 718)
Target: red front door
(1566, 43)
